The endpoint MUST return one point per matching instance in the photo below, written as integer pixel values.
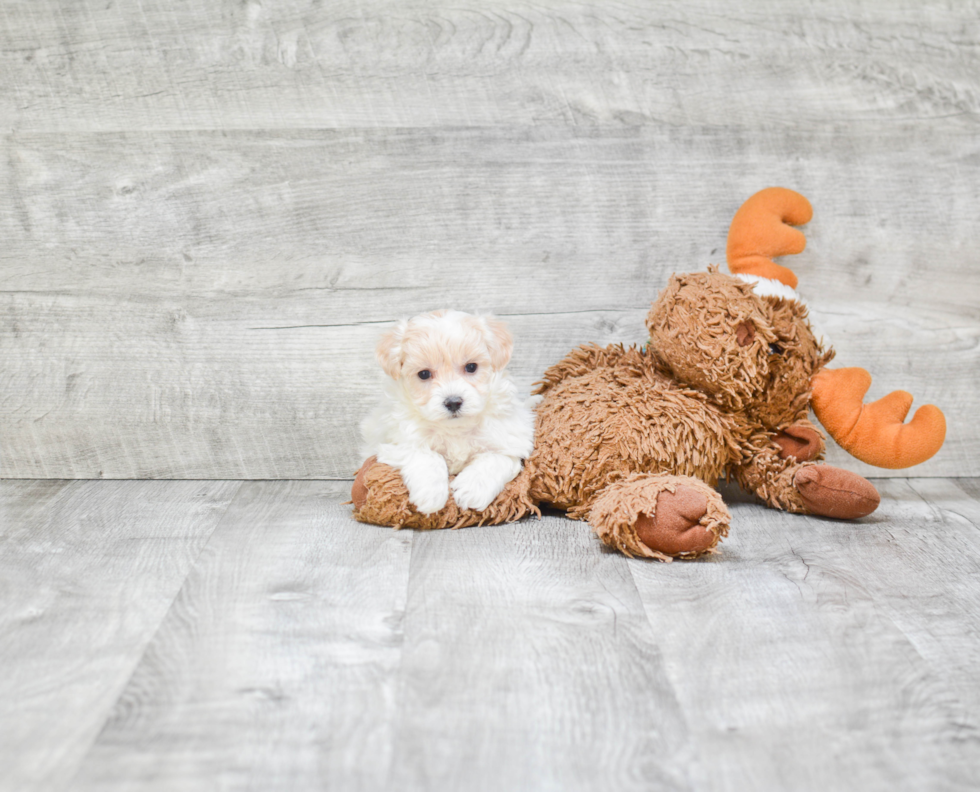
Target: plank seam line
(620, 309)
(138, 660)
(630, 563)
(398, 677)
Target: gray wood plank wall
(209, 210)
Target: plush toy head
(746, 342)
(749, 353)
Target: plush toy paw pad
(359, 490)
(832, 492)
(675, 527)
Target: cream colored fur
(469, 424)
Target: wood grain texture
(385, 63)
(529, 664)
(87, 572)
(203, 304)
(306, 651)
(209, 209)
(275, 668)
(830, 655)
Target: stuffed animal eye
(424, 374)
(470, 368)
(775, 349)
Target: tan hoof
(832, 492)
(660, 516)
(675, 528)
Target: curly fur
(724, 373)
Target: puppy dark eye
(470, 368)
(775, 349)
(424, 374)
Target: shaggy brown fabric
(617, 428)
(380, 497)
(694, 332)
(681, 517)
(767, 474)
(610, 412)
(359, 490)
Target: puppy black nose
(453, 403)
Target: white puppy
(450, 409)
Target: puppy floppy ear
(500, 343)
(389, 350)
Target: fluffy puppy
(450, 409)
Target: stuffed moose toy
(633, 440)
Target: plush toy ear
(500, 343)
(389, 350)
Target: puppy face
(444, 362)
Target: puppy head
(444, 361)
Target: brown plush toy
(634, 440)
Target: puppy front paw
(429, 496)
(472, 492)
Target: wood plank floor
(208, 635)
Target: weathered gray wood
(276, 666)
(87, 572)
(816, 654)
(528, 664)
(367, 224)
(369, 63)
(971, 486)
(205, 305)
(292, 660)
(938, 607)
(305, 651)
(217, 398)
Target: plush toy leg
(807, 487)
(381, 498)
(660, 516)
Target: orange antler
(759, 231)
(874, 433)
